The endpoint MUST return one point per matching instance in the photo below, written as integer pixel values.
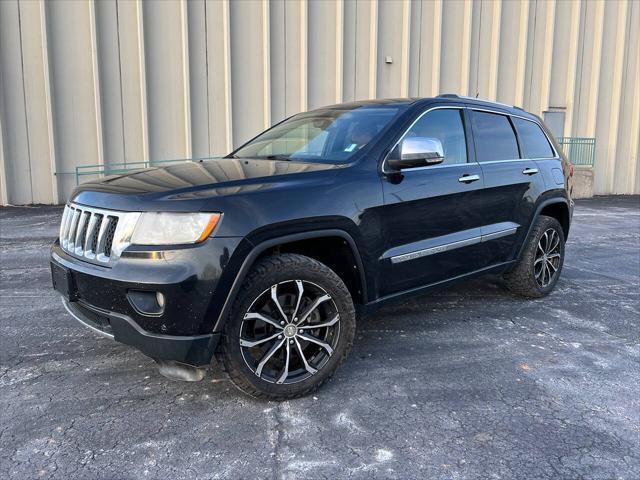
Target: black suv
(266, 257)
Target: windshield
(333, 135)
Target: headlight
(159, 228)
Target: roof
(446, 97)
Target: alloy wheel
(289, 332)
(547, 258)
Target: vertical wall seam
(266, 63)
(207, 73)
(143, 83)
(97, 95)
(580, 68)
(466, 48)
(406, 38)
(186, 85)
(355, 50)
(436, 63)
(339, 48)
(124, 131)
(24, 102)
(572, 70)
(420, 30)
(226, 36)
(373, 51)
(284, 54)
(4, 199)
(47, 79)
(304, 54)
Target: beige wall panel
(393, 40)
(608, 107)
(219, 77)
(74, 96)
(4, 200)
(539, 56)
(3, 172)
(324, 37)
(512, 54)
(86, 82)
(38, 109)
(111, 89)
(366, 53)
(16, 134)
(563, 63)
(587, 74)
(133, 81)
(349, 54)
(196, 14)
(295, 22)
(249, 55)
(278, 55)
(166, 86)
(424, 72)
(485, 47)
(626, 164)
(455, 46)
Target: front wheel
(539, 267)
(291, 326)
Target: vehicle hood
(197, 181)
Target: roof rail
(465, 97)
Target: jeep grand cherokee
(264, 258)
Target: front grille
(95, 234)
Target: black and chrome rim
(289, 332)
(548, 256)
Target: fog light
(146, 303)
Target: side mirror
(418, 152)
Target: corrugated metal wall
(93, 82)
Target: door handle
(530, 171)
(469, 178)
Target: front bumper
(192, 281)
(194, 350)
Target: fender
(541, 205)
(262, 246)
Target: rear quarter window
(533, 141)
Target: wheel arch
(302, 243)
(556, 207)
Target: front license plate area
(62, 279)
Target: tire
(296, 366)
(535, 275)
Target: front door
(431, 226)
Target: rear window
(494, 137)
(532, 139)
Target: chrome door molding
(447, 243)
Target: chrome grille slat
(88, 240)
(79, 237)
(101, 238)
(71, 236)
(96, 234)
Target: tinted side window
(533, 141)
(494, 137)
(445, 125)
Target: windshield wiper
(277, 157)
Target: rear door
(430, 223)
(512, 184)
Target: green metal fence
(124, 167)
(581, 151)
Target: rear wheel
(539, 267)
(291, 326)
